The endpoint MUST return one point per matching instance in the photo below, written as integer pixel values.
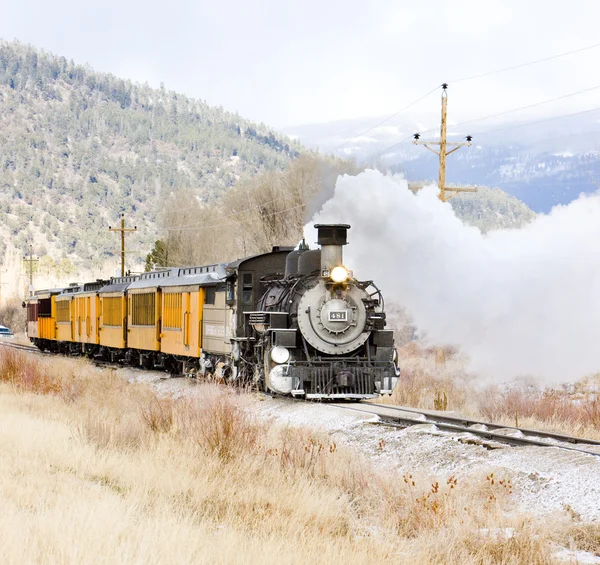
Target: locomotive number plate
(338, 316)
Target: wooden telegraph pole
(31, 261)
(123, 229)
(443, 152)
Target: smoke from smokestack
(518, 302)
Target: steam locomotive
(295, 322)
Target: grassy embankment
(96, 470)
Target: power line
(539, 121)
(498, 129)
(379, 153)
(543, 184)
(521, 65)
(528, 106)
(386, 119)
(472, 77)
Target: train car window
(172, 317)
(63, 311)
(209, 296)
(45, 308)
(247, 287)
(112, 314)
(143, 309)
(32, 314)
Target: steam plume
(521, 301)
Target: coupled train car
(296, 322)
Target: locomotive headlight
(280, 354)
(339, 274)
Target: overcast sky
(296, 62)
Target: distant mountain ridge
(79, 147)
(543, 164)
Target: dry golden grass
(95, 470)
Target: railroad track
(19, 346)
(398, 416)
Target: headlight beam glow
(339, 274)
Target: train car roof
(203, 279)
(88, 287)
(235, 265)
(47, 293)
(206, 275)
(152, 279)
(118, 284)
(71, 289)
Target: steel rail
(467, 422)
(19, 346)
(462, 425)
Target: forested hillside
(79, 147)
(491, 209)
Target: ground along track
(97, 362)
(400, 416)
(406, 417)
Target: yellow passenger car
(112, 309)
(46, 319)
(144, 316)
(86, 316)
(65, 324)
(186, 297)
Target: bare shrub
(157, 414)
(13, 315)
(552, 406)
(219, 425)
(269, 209)
(27, 374)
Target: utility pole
(443, 153)
(123, 229)
(31, 261)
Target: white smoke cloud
(518, 302)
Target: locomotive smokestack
(331, 238)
